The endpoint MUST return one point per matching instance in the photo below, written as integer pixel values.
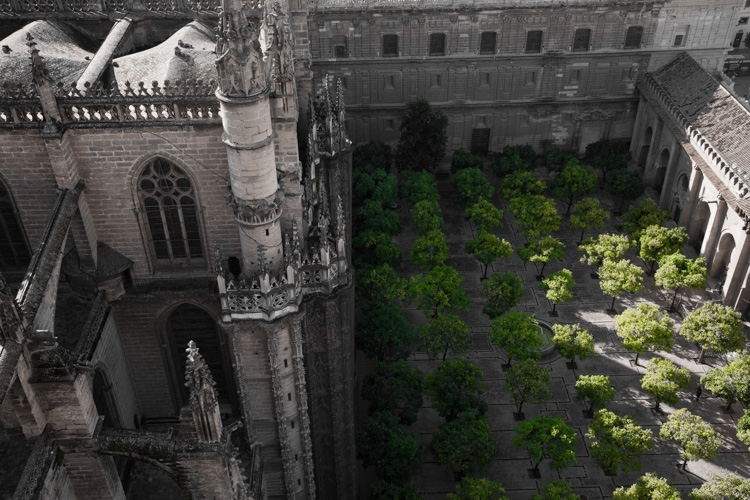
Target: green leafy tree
(731, 382)
(607, 156)
(573, 340)
(517, 333)
(527, 381)
(573, 183)
(478, 489)
(639, 217)
(677, 271)
(373, 248)
(542, 250)
(371, 156)
(547, 437)
(618, 442)
(558, 158)
(380, 285)
(618, 277)
(521, 183)
(393, 453)
(697, 438)
(372, 215)
(443, 334)
(587, 215)
(658, 242)
(418, 186)
(362, 187)
(604, 247)
(536, 214)
(383, 490)
(513, 159)
(395, 388)
(423, 137)
(470, 186)
(743, 428)
(455, 387)
(624, 184)
(386, 189)
(384, 334)
(559, 287)
(466, 444)
(663, 380)
(463, 159)
(644, 329)
(426, 216)
(429, 250)
(715, 327)
(439, 290)
(485, 215)
(649, 487)
(503, 292)
(487, 248)
(595, 390)
(559, 489)
(723, 487)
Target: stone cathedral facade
(175, 207)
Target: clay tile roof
(188, 54)
(64, 58)
(710, 108)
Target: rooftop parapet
(365, 5)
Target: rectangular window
(435, 81)
(534, 42)
(390, 45)
(530, 78)
(488, 43)
(484, 80)
(574, 78)
(389, 124)
(633, 37)
(390, 82)
(679, 40)
(581, 39)
(747, 4)
(743, 20)
(340, 50)
(437, 44)
(680, 35)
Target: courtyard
(588, 307)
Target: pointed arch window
(171, 213)
(14, 251)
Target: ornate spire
(39, 73)
(240, 59)
(203, 401)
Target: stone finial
(218, 267)
(203, 400)
(262, 264)
(39, 73)
(340, 220)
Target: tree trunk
(635, 361)
(484, 273)
(544, 264)
(671, 306)
(684, 464)
(701, 355)
(651, 267)
(583, 231)
(613, 302)
(445, 353)
(520, 405)
(570, 205)
(553, 308)
(658, 404)
(622, 204)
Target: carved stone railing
(107, 6)
(361, 5)
(42, 457)
(732, 178)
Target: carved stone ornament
(39, 73)
(454, 19)
(474, 19)
(355, 23)
(406, 21)
(595, 114)
(371, 22)
(199, 381)
(255, 212)
(421, 20)
(282, 48)
(241, 64)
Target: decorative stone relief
(255, 212)
(595, 114)
(299, 375)
(286, 453)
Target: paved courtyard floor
(588, 307)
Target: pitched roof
(710, 108)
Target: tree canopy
(470, 186)
(517, 333)
(455, 387)
(604, 247)
(594, 390)
(658, 242)
(417, 186)
(503, 292)
(466, 444)
(520, 183)
(384, 333)
(373, 248)
(557, 158)
(536, 214)
(547, 437)
(463, 159)
(527, 381)
(644, 329)
(743, 428)
(429, 250)
(618, 277)
(421, 145)
(426, 216)
(395, 388)
(559, 489)
(440, 289)
(677, 271)
(380, 285)
(715, 327)
(649, 487)
(722, 487)
(698, 439)
(487, 248)
(639, 217)
(478, 489)
(446, 333)
(588, 215)
(731, 382)
(383, 490)
(513, 159)
(664, 379)
(573, 183)
(393, 453)
(618, 442)
(541, 250)
(559, 287)
(606, 156)
(624, 184)
(485, 215)
(572, 340)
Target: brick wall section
(57, 485)
(92, 476)
(109, 356)
(68, 407)
(206, 478)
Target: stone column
(696, 180)
(736, 277)
(649, 172)
(717, 221)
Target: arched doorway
(645, 146)
(661, 171)
(723, 258)
(699, 226)
(189, 322)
